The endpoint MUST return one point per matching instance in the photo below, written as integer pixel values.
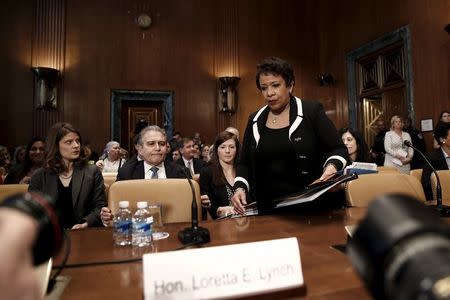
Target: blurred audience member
(5, 162)
(76, 187)
(19, 155)
(112, 160)
(187, 158)
(123, 154)
(34, 159)
(397, 154)
(417, 141)
(197, 139)
(444, 117)
(356, 145)
(439, 158)
(217, 179)
(196, 151)
(233, 131)
(377, 151)
(205, 154)
(176, 155)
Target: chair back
(109, 178)
(174, 195)
(417, 173)
(11, 189)
(387, 169)
(362, 191)
(444, 176)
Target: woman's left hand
(328, 172)
(80, 226)
(206, 203)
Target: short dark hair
(441, 131)
(54, 159)
(442, 113)
(362, 154)
(275, 66)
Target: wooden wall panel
(190, 42)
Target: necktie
(154, 172)
(190, 168)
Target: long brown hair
(54, 159)
(217, 171)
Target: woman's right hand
(100, 164)
(106, 216)
(239, 200)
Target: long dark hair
(217, 171)
(54, 160)
(362, 154)
(28, 163)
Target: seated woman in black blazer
(76, 188)
(217, 178)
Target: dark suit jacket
(437, 159)
(136, 171)
(88, 191)
(198, 164)
(217, 194)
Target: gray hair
(151, 128)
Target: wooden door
(134, 112)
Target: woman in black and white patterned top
(216, 179)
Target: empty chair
(444, 176)
(11, 189)
(417, 173)
(361, 191)
(387, 169)
(174, 195)
(109, 178)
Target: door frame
(118, 96)
(402, 34)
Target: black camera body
(402, 250)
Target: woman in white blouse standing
(397, 154)
(112, 160)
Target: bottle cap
(124, 204)
(142, 204)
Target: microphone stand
(443, 210)
(193, 234)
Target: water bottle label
(123, 227)
(142, 227)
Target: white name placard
(223, 271)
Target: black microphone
(443, 210)
(193, 234)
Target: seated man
(187, 158)
(152, 148)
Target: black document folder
(313, 191)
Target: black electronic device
(193, 234)
(444, 210)
(401, 249)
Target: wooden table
(327, 272)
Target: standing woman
(217, 178)
(75, 187)
(34, 159)
(288, 144)
(397, 154)
(112, 160)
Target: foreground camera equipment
(402, 250)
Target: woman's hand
(328, 172)
(206, 203)
(224, 211)
(100, 164)
(106, 216)
(80, 226)
(239, 200)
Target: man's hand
(80, 226)
(206, 203)
(106, 216)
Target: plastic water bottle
(122, 225)
(142, 226)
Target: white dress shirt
(186, 164)
(148, 172)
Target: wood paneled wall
(191, 43)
